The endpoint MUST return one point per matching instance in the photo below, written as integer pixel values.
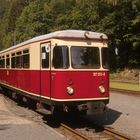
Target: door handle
(53, 75)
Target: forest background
(21, 20)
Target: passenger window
(45, 58)
(0, 62)
(26, 59)
(13, 61)
(3, 61)
(7, 61)
(19, 60)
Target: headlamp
(102, 89)
(70, 90)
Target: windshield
(85, 57)
(105, 58)
(60, 57)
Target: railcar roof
(62, 34)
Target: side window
(19, 60)
(0, 62)
(13, 60)
(105, 58)
(45, 58)
(3, 61)
(26, 58)
(8, 61)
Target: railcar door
(45, 70)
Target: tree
(12, 11)
(119, 19)
(32, 21)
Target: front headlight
(102, 89)
(70, 90)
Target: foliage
(32, 21)
(9, 12)
(119, 19)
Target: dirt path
(18, 123)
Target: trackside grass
(127, 86)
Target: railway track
(110, 134)
(75, 134)
(88, 131)
(117, 135)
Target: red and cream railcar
(65, 68)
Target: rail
(107, 131)
(116, 134)
(74, 132)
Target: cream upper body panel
(76, 34)
(82, 42)
(60, 38)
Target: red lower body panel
(85, 83)
(22, 79)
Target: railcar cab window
(60, 57)
(85, 57)
(26, 58)
(105, 58)
(45, 58)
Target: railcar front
(80, 74)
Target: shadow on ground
(90, 121)
(76, 121)
(105, 118)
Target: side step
(44, 111)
